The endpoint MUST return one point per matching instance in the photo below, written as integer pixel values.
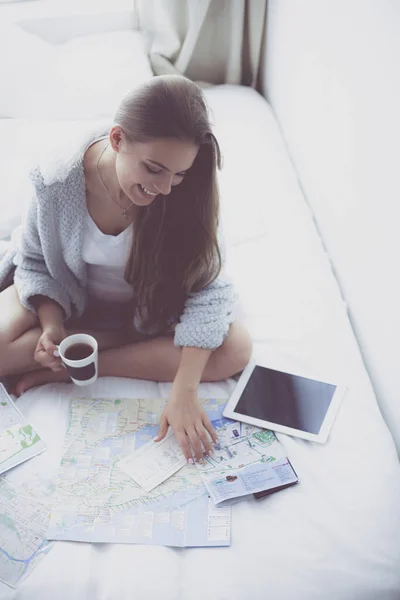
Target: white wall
(332, 75)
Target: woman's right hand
(47, 347)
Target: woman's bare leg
(19, 335)
(15, 324)
(158, 360)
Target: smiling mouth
(147, 192)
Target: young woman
(120, 241)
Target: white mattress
(336, 535)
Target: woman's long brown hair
(175, 248)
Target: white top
(106, 257)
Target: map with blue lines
(98, 502)
(23, 526)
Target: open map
(18, 440)
(247, 460)
(98, 502)
(24, 520)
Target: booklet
(248, 460)
(18, 439)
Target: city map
(18, 440)
(246, 461)
(24, 519)
(98, 502)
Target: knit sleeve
(207, 315)
(32, 276)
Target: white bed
(335, 536)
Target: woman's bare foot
(35, 378)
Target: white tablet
(285, 402)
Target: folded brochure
(18, 439)
(247, 460)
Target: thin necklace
(124, 210)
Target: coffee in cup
(79, 355)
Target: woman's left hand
(189, 421)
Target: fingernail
(210, 453)
(191, 461)
(56, 354)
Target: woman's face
(147, 169)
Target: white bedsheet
(336, 535)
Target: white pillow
(84, 78)
(26, 66)
(93, 73)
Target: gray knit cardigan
(48, 255)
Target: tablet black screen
(286, 399)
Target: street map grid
(99, 502)
(24, 520)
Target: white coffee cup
(79, 355)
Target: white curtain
(214, 41)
